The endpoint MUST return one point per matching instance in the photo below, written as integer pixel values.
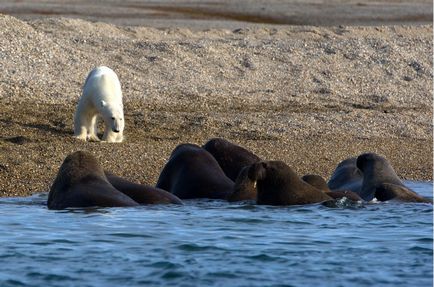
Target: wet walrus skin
(381, 181)
(347, 176)
(232, 158)
(320, 183)
(386, 192)
(142, 194)
(244, 188)
(81, 182)
(278, 184)
(192, 172)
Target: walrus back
(81, 182)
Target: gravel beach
(308, 95)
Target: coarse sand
(310, 96)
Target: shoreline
(310, 96)
(33, 150)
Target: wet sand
(310, 96)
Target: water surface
(214, 243)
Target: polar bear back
(103, 84)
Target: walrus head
(278, 184)
(79, 166)
(272, 173)
(372, 163)
(367, 159)
(376, 171)
(244, 187)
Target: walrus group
(223, 170)
(217, 170)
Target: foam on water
(215, 243)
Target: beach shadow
(49, 128)
(59, 129)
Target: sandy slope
(307, 95)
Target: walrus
(319, 182)
(347, 176)
(381, 181)
(244, 187)
(231, 157)
(278, 184)
(387, 191)
(142, 194)
(81, 182)
(316, 181)
(192, 172)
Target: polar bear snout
(117, 124)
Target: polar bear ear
(103, 103)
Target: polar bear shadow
(101, 99)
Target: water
(214, 243)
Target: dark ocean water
(214, 243)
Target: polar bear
(102, 96)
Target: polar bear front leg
(119, 137)
(109, 135)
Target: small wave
(343, 203)
(195, 247)
(50, 277)
(53, 241)
(172, 275)
(264, 258)
(420, 248)
(36, 199)
(225, 275)
(164, 265)
(245, 220)
(129, 235)
(12, 282)
(425, 240)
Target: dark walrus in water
(244, 187)
(81, 182)
(381, 181)
(278, 184)
(143, 194)
(234, 161)
(231, 157)
(347, 176)
(319, 182)
(192, 172)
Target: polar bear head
(113, 115)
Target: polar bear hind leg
(93, 129)
(85, 121)
(80, 125)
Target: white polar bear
(102, 96)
